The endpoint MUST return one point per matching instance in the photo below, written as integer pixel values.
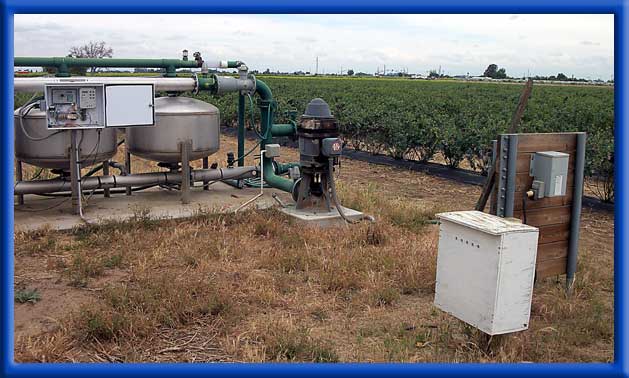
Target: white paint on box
(485, 270)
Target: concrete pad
(56, 213)
(322, 218)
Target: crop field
(255, 287)
(450, 121)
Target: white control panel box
(90, 105)
(129, 105)
(485, 270)
(75, 106)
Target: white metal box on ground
(485, 270)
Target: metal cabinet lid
(486, 223)
(553, 154)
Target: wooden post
(513, 128)
(524, 99)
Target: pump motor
(319, 149)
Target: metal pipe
(105, 166)
(140, 179)
(266, 110)
(575, 222)
(241, 129)
(184, 148)
(127, 164)
(281, 130)
(511, 175)
(67, 62)
(175, 84)
(495, 154)
(106, 62)
(281, 168)
(261, 184)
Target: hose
(23, 112)
(98, 191)
(253, 121)
(112, 164)
(335, 199)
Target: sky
(579, 45)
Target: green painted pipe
(67, 62)
(281, 168)
(207, 83)
(266, 110)
(280, 130)
(234, 63)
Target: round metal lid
(183, 105)
(318, 108)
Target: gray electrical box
(75, 105)
(331, 147)
(272, 150)
(91, 105)
(550, 172)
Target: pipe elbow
(274, 180)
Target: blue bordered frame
(619, 368)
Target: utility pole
(317, 67)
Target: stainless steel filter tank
(37, 145)
(177, 119)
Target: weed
(84, 265)
(285, 342)
(27, 296)
(113, 261)
(386, 296)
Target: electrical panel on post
(75, 106)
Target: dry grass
(256, 287)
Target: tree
(562, 77)
(433, 74)
(350, 72)
(501, 74)
(491, 70)
(92, 49)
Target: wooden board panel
(551, 215)
(546, 216)
(554, 233)
(550, 268)
(551, 251)
(523, 181)
(547, 142)
(543, 202)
